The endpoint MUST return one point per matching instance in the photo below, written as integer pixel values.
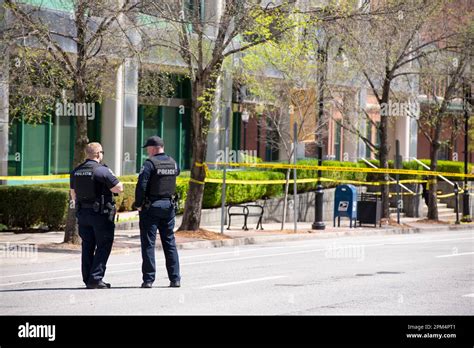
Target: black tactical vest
(163, 180)
(87, 189)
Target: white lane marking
(242, 282)
(245, 249)
(468, 295)
(40, 280)
(456, 254)
(41, 272)
(240, 258)
(428, 241)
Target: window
(168, 123)
(377, 142)
(444, 151)
(61, 144)
(193, 9)
(337, 142)
(35, 152)
(236, 130)
(14, 148)
(368, 135)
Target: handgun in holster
(111, 210)
(105, 208)
(146, 204)
(96, 207)
(175, 202)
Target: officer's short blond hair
(92, 149)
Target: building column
(403, 134)
(413, 135)
(351, 140)
(119, 121)
(362, 103)
(223, 100)
(130, 118)
(112, 121)
(217, 124)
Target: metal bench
(246, 211)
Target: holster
(96, 207)
(175, 202)
(111, 210)
(146, 204)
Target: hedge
(26, 206)
(237, 193)
(312, 174)
(443, 166)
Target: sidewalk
(49, 245)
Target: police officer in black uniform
(155, 199)
(92, 185)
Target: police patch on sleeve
(111, 172)
(141, 170)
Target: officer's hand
(139, 208)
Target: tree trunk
(192, 208)
(201, 116)
(71, 233)
(383, 152)
(432, 192)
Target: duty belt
(90, 205)
(86, 205)
(158, 198)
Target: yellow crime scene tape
(35, 177)
(328, 168)
(290, 166)
(339, 169)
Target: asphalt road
(416, 274)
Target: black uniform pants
(160, 216)
(97, 234)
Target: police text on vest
(37, 331)
(166, 171)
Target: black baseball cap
(154, 141)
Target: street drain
(385, 272)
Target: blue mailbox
(345, 204)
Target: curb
(127, 225)
(207, 244)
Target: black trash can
(369, 210)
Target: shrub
(313, 174)
(443, 166)
(240, 193)
(26, 206)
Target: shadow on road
(81, 288)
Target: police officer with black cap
(92, 187)
(155, 199)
